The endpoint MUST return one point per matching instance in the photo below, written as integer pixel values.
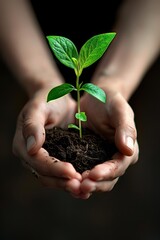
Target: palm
(98, 118)
(61, 112)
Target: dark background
(131, 210)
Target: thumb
(125, 137)
(33, 131)
(125, 129)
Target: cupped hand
(30, 136)
(113, 120)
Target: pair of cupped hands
(113, 120)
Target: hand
(115, 121)
(30, 136)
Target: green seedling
(66, 52)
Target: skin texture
(119, 73)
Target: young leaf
(64, 49)
(94, 48)
(81, 116)
(60, 91)
(71, 125)
(95, 91)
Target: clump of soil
(83, 153)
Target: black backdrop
(131, 210)
(77, 21)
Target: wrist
(41, 81)
(115, 83)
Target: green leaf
(94, 48)
(71, 125)
(95, 91)
(81, 116)
(64, 49)
(60, 91)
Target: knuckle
(132, 131)
(112, 169)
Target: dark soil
(84, 154)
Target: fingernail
(129, 142)
(30, 143)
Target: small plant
(66, 52)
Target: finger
(112, 169)
(125, 137)
(124, 124)
(71, 186)
(89, 186)
(41, 162)
(32, 124)
(83, 196)
(48, 166)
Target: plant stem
(78, 105)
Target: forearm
(135, 47)
(24, 48)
